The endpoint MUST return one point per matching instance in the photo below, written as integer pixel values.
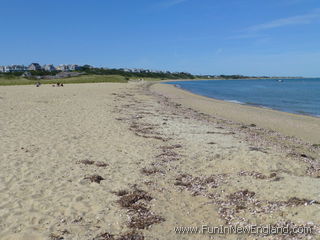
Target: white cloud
(295, 20)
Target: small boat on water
(279, 80)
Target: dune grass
(79, 79)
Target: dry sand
(180, 167)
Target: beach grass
(80, 79)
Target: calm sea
(300, 96)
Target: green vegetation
(4, 80)
(142, 74)
(43, 73)
(238, 77)
(12, 75)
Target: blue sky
(250, 37)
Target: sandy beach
(136, 160)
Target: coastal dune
(92, 161)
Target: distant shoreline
(214, 79)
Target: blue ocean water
(300, 96)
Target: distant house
(49, 67)
(137, 70)
(13, 68)
(68, 68)
(18, 68)
(7, 69)
(34, 67)
(63, 68)
(73, 67)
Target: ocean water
(301, 96)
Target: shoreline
(301, 126)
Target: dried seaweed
(168, 155)
(241, 196)
(171, 147)
(121, 193)
(87, 162)
(95, 178)
(140, 216)
(150, 171)
(131, 236)
(294, 201)
(253, 174)
(54, 236)
(257, 149)
(105, 236)
(144, 220)
(127, 200)
(199, 185)
(101, 164)
(223, 133)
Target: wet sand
(108, 161)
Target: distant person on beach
(38, 84)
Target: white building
(48, 67)
(73, 67)
(62, 68)
(18, 68)
(13, 68)
(68, 67)
(137, 70)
